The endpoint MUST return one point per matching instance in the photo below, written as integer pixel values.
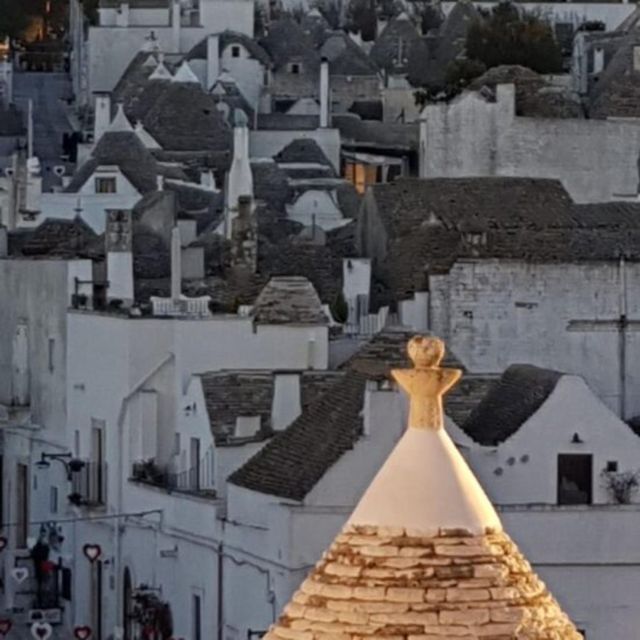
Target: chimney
(324, 94)
(102, 117)
(285, 406)
(240, 178)
(175, 26)
(244, 236)
(119, 250)
(122, 19)
(213, 60)
(208, 180)
(176, 264)
(4, 242)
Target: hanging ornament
(3, 543)
(92, 551)
(41, 630)
(20, 574)
(82, 633)
(5, 627)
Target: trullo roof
(424, 556)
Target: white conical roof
(145, 137)
(185, 74)
(426, 485)
(120, 122)
(161, 73)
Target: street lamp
(71, 465)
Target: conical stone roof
(424, 556)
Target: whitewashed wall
(596, 160)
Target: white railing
(184, 307)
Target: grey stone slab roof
(58, 237)
(234, 394)
(315, 27)
(286, 122)
(346, 58)
(227, 38)
(295, 460)
(383, 135)
(270, 184)
(287, 42)
(429, 224)
(534, 96)
(395, 45)
(617, 91)
(510, 402)
(185, 118)
(289, 300)
(124, 150)
(303, 150)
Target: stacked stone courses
(400, 584)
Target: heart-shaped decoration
(20, 574)
(82, 633)
(5, 627)
(3, 543)
(92, 551)
(41, 630)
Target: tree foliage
(362, 17)
(511, 37)
(14, 19)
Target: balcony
(197, 480)
(89, 485)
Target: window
(176, 444)
(235, 51)
(97, 481)
(612, 466)
(105, 185)
(575, 478)
(295, 68)
(53, 499)
(52, 350)
(22, 505)
(194, 465)
(197, 618)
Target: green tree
(509, 36)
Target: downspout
(220, 594)
(622, 341)
(118, 632)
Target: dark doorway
(575, 478)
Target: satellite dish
(8, 172)
(59, 170)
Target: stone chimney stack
(175, 26)
(119, 250)
(240, 178)
(244, 236)
(102, 117)
(176, 264)
(325, 103)
(213, 60)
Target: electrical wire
(110, 516)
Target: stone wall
(597, 160)
(495, 313)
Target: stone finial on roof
(426, 383)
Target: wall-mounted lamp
(71, 465)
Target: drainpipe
(220, 594)
(622, 336)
